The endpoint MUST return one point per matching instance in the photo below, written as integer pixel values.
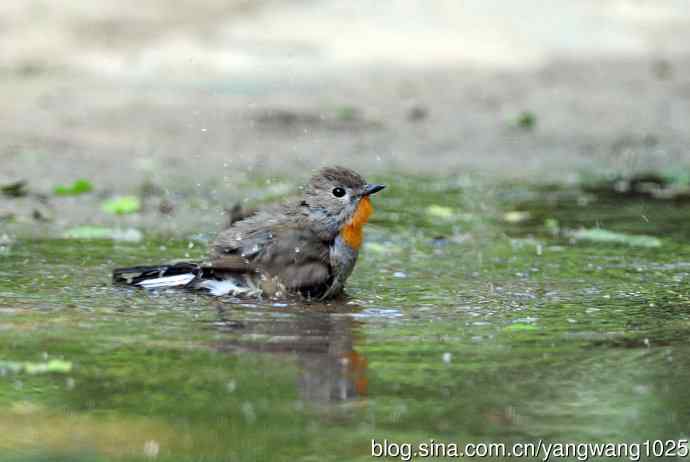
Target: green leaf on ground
(122, 205)
(603, 235)
(78, 187)
(54, 366)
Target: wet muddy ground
(475, 314)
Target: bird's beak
(372, 188)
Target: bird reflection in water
(330, 369)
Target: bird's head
(336, 201)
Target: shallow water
(459, 326)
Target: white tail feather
(225, 287)
(178, 280)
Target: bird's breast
(353, 231)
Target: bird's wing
(293, 254)
(297, 256)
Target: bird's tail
(188, 275)
(182, 274)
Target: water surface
(463, 323)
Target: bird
(305, 247)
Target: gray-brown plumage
(307, 246)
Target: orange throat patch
(353, 231)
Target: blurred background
(194, 92)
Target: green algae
(460, 326)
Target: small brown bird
(306, 247)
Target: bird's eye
(338, 192)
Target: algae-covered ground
(476, 313)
